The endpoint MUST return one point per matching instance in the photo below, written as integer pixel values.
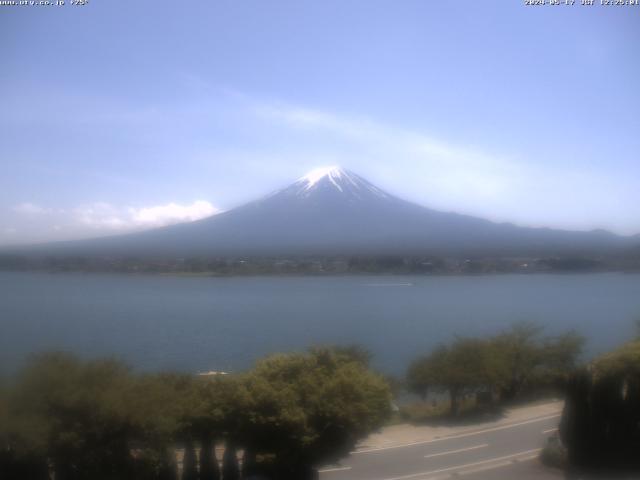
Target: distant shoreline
(319, 274)
(319, 265)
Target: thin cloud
(29, 208)
(104, 216)
(172, 213)
(445, 170)
(273, 142)
(449, 175)
(39, 224)
(101, 216)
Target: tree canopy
(508, 363)
(97, 419)
(462, 367)
(600, 423)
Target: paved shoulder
(507, 448)
(398, 435)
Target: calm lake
(200, 323)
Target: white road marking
(526, 459)
(462, 435)
(496, 465)
(458, 467)
(336, 469)
(550, 430)
(483, 468)
(457, 451)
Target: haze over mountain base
(332, 213)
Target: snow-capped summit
(336, 179)
(333, 211)
(333, 173)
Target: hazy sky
(129, 114)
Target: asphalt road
(492, 452)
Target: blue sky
(125, 115)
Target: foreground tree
(189, 462)
(155, 408)
(420, 376)
(562, 353)
(22, 449)
(310, 409)
(465, 366)
(209, 469)
(95, 419)
(513, 362)
(519, 354)
(528, 362)
(230, 466)
(220, 416)
(600, 424)
(351, 352)
(73, 415)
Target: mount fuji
(333, 211)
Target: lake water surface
(202, 323)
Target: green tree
(561, 353)
(600, 423)
(220, 417)
(165, 408)
(519, 354)
(217, 416)
(527, 361)
(209, 468)
(189, 462)
(22, 456)
(75, 414)
(351, 352)
(97, 420)
(230, 466)
(420, 376)
(465, 366)
(310, 409)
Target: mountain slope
(334, 211)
